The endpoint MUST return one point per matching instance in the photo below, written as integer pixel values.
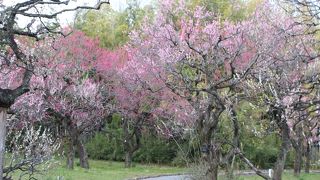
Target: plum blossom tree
(69, 92)
(280, 81)
(304, 122)
(11, 53)
(134, 103)
(140, 101)
(199, 59)
(31, 148)
(205, 62)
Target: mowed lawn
(106, 170)
(286, 176)
(109, 170)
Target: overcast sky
(121, 4)
(116, 4)
(68, 17)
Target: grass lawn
(106, 170)
(286, 176)
(109, 170)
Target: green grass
(107, 170)
(286, 176)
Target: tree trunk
(84, 163)
(229, 171)
(279, 165)
(308, 158)
(131, 142)
(206, 126)
(70, 155)
(285, 145)
(299, 151)
(128, 159)
(211, 152)
(297, 162)
(212, 159)
(126, 142)
(3, 120)
(75, 141)
(212, 172)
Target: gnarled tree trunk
(297, 162)
(7, 98)
(308, 158)
(3, 119)
(70, 155)
(83, 156)
(279, 165)
(206, 127)
(127, 142)
(214, 159)
(128, 159)
(76, 142)
(285, 145)
(132, 141)
(298, 146)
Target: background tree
(112, 27)
(233, 10)
(277, 86)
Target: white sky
(121, 4)
(68, 17)
(116, 4)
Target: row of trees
(211, 66)
(183, 66)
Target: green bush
(153, 149)
(99, 147)
(107, 145)
(181, 159)
(156, 150)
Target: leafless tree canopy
(307, 11)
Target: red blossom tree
(69, 91)
(11, 53)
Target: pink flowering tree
(302, 112)
(69, 92)
(135, 105)
(141, 101)
(208, 63)
(281, 79)
(13, 56)
(197, 58)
